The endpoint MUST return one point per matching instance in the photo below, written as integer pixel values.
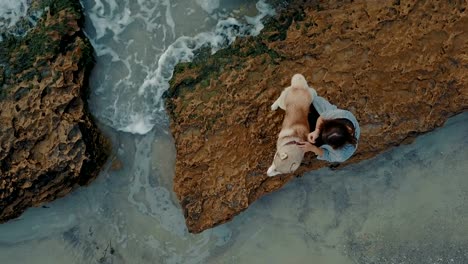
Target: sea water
(11, 12)
(407, 205)
(138, 43)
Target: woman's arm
(307, 147)
(319, 123)
(311, 137)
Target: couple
(334, 136)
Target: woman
(336, 132)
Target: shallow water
(408, 205)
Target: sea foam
(138, 44)
(208, 5)
(12, 11)
(183, 50)
(16, 18)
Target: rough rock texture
(400, 66)
(48, 142)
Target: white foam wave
(16, 18)
(208, 5)
(169, 20)
(137, 47)
(11, 11)
(109, 18)
(139, 125)
(256, 21)
(182, 50)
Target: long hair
(337, 132)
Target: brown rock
(49, 143)
(401, 68)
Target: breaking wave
(129, 84)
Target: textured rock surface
(48, 142)
(400, 66)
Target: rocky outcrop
(399, 66)
(49, 143)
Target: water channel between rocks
(407, 205)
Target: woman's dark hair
(337, 132)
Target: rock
(400, 68)
(49, 143)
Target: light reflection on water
(408, 205)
